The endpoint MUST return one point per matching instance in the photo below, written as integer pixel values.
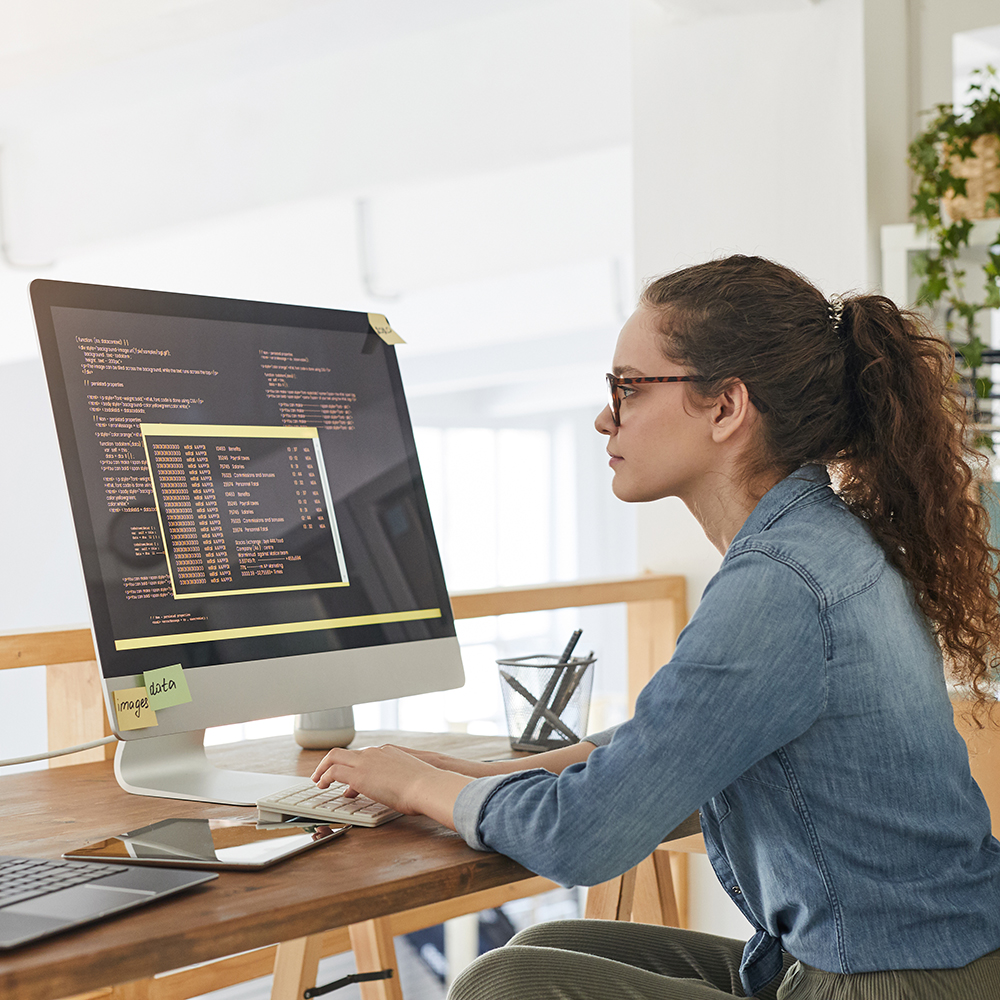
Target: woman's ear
(731, 412)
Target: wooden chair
(656, 890)
(984, 755)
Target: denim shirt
(805, 713)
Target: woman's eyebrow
(626, 371)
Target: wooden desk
(401, 870)
(46, 815)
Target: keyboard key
(25, 878)
(329, 804)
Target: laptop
(42, 896)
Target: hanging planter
(956, 160)
(981, 173)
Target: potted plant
(956, 160)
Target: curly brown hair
(874, 397)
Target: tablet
(208, 843)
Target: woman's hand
(400, 780)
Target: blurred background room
(498, 178)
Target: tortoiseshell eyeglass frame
(614, 382)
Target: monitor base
(177, 767)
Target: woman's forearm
(551, 760)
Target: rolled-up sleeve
(601, 739)
(472, 801)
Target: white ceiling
(120, 117)
(140, 116)
(689, 10)
(46, 40)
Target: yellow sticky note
(132, 709)
(381, 326)
(166, 686)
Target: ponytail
(868, 390)
(908, 471)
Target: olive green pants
(615, 960)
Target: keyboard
(25, 878)
(327, 804)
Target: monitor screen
(248, 502)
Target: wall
(749, 136)
(933, 24)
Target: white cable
(58, 753)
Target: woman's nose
(604, 423)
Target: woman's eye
(624, 391)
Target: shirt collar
(806, 480)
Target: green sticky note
(166, 687)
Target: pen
(570, 685)
(542, 705)
(565, 677)
(570, 646)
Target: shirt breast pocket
(716, 808)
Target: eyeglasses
(615, 383)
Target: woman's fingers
(334, 757)
(386, 774)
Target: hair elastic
(835, 310)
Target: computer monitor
(250, 515)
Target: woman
(805, 710)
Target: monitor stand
(176, 767)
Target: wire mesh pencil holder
(547, 702)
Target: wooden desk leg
(612, 900)
(295, 964)
(373, 949)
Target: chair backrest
(984, 755)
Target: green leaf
(972, 353)
(919, 263)
(932, 290)
(983, 442)
(959, 187)
(959, 232)
(926, 205)
(968, 311)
